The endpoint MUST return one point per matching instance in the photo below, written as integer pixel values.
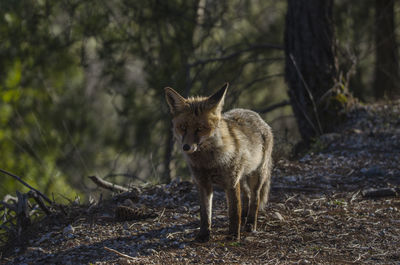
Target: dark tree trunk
(387, 81)
(310, 68)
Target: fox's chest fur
(235, 148)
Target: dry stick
(119, 253)
(382, 192)
(107, 185)
(26, 184)
(298, 188)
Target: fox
(231, 150)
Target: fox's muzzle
(189, 148)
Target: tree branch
(235, 54)
(26, 184)
(273, 107)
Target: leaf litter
(337, 204)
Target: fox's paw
(233, 237)
(250, 228)
(203, 237)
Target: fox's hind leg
(251, 223)
(245, 190)
(255, 183)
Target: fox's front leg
(205, 193)
(234, 211)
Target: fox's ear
(175, 101)
(216, 101)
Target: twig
(120, 254)
(39, 201)
(296, 188)
(9, 206)
(107, 185)
(158, 218)
(26, 184)
(274, 106)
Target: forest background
(81, 82)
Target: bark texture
(386, 83)
(310, 67)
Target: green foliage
(81, 81)
(39, 69)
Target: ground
(337, 204)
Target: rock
(279, 216)
(195, 209)
(128, 202)
(250, 239)
(291, 178)
(68, 230)
(152, 251)
(372, 171)
(304, 159)
(182, 209)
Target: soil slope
(337, 204)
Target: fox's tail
(267, 171)
(265, 189)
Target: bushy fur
(232, 150)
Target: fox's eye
(182, 127)
(201, 129)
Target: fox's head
(195, 119)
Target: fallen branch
(376, 193)
(39, 201)
(26, 184)
(120, 254)
(107, 185)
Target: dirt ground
(337, 204)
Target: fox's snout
(189, 148)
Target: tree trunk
(386, 66)
(310, 66)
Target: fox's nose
(186, 147)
